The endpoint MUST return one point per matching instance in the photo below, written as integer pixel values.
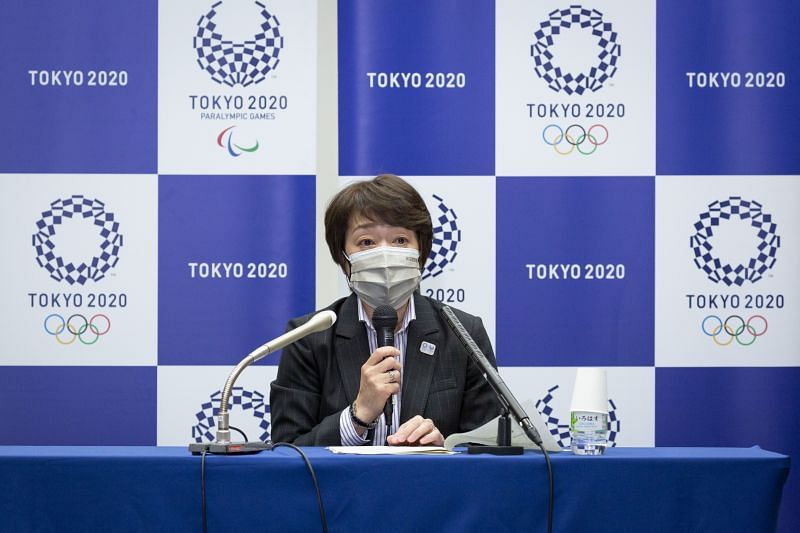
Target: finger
(380, 354)
(384, 365)
(387, 389)
(381, 379)
(392, 440)
(383, 390)
(393, 376)
(434, 438)
(390, 363)
(403, 431)
(423, 429)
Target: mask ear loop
(350, 263)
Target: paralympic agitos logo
(225, 140)
(232, 63)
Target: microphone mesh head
(384, 316)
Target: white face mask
(385, 275)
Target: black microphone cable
(310, 468)
(323, 519)
(244, 437)
(203, 481)
(203, 490)
(550, 496)
(479, 358)
(551, 491)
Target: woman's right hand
(380, 378)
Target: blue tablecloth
(90, 489)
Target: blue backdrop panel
(57, 406)
(416, 130)
(598, 312)
(727, 130)
(733, 407)
(242, 228)
(91, 104)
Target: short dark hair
(386, 199)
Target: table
(89, 489)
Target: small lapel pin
(427, 348)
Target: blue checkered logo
(230, 63)
(763, 256)
(560, 432)
(241, 400)
(446, 237)
(91, 211)
(607, 52)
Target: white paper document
(391, 450)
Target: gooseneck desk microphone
(222, 444)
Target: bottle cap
(590, 392)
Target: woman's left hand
(417, 431)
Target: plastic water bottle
(589, 432)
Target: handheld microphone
(492, 376)
(384, 320)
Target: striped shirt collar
(411, 314)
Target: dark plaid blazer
(319, 376)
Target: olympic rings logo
(77, 331)
(576, 137)
(743, 329)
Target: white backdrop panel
(685, 296)
(277, 112)
(624, 104)
(125, 296)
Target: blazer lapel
(418, 367)
(352, 347)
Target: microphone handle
(386, 338)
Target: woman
(332, 386)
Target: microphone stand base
(503, 440)
(232, 448)
(495, 450)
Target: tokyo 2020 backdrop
(611, 183)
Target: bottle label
(583, 421)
